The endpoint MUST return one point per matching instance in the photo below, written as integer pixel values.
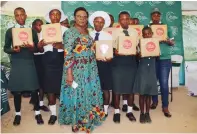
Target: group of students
(52, 69)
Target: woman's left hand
(69, 77)
(170, 42)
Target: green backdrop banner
(171, 13)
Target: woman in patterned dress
(81, 106)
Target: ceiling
(39, 8)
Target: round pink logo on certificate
(51, 32)
(138, 31)
(150, 46)
(23, 36)
(160, 31)
(110, 32)
(127, 44)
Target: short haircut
(81, 9)
(19, 8)
(35, 21)
(123, 12)
(135, 19)
(111, 16)
(146, 28)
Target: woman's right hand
(16, 49)
(69, 78)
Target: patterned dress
(81, 107)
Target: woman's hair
(111, 16)
(81, 9)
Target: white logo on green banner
(174, 30)
(121, 3)
(106, 2)
(139, 3)
(72, 2)
(88, 3)
(170, 3)
(140, 16)
(170, 16)
(70, 15)
(154, 3)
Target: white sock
(129, 109)
(124, 102)
(37, 112)
(117, 111)
(41, 103)
(18, 113)
(53, 109)
(106, 109)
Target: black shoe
(116, 118)
(154, 105)
(131, 117)
(124, 108)
(39, 119)
(168, 115)
(106, 115)
(135, 108)
(142, 118)
(147, 118)
(26, 95)
(44, 108)
(17, 120)
(52, 120)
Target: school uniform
(23, 76)
(146, 80)
(104, 68)
(38, 59)
(53, 60)
(124, 68)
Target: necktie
(126, 32)
(96, 37)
